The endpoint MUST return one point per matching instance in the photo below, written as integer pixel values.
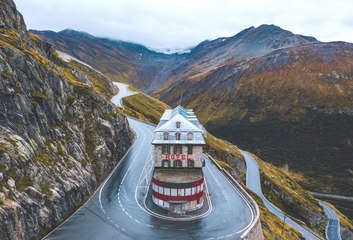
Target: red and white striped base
(178, 197)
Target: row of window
(177, 136)
(166, 204)
(177, 163)
(166, 149)
(177, 191)
(161, 202)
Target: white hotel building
(178, 183)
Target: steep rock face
(10, 18)
(59, 134)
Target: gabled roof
(186, 117)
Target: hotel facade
(178, 182)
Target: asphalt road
(113, 211)
(124, 91)
(254, 184)
(332, 196)
(333, 226)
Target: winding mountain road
(333, 224)
(114, 212)
(254, 184)
(124, 91)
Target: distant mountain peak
(274, 30)
(269, 31)
(73, 32)
(251, 42)
(270, 27)
(69, 30)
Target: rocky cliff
(59, 134)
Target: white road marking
(93, 194)
(145, 177)
(148, 211)
(241, 195)
(106, 180)
(223, 193)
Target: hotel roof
(185, 116)
(188, 124)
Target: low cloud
(161, 24)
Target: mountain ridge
(281, 95)
(135, 57)
(121, 61)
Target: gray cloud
(184, 23)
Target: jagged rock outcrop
(59, 134)
(10, 18)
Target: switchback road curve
(113, 211)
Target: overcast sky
(181, 24)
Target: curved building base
(178, 191)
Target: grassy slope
(101, 84)
(290, 197)
(272, 226)
(144, 107)
(229, 156)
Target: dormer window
(165, 136)
(177, 124)
(177, 136)
(190, 135)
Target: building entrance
(177, 208)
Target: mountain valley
(283, 96)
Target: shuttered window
(165, 149)
(189, 149)
(178, 149)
